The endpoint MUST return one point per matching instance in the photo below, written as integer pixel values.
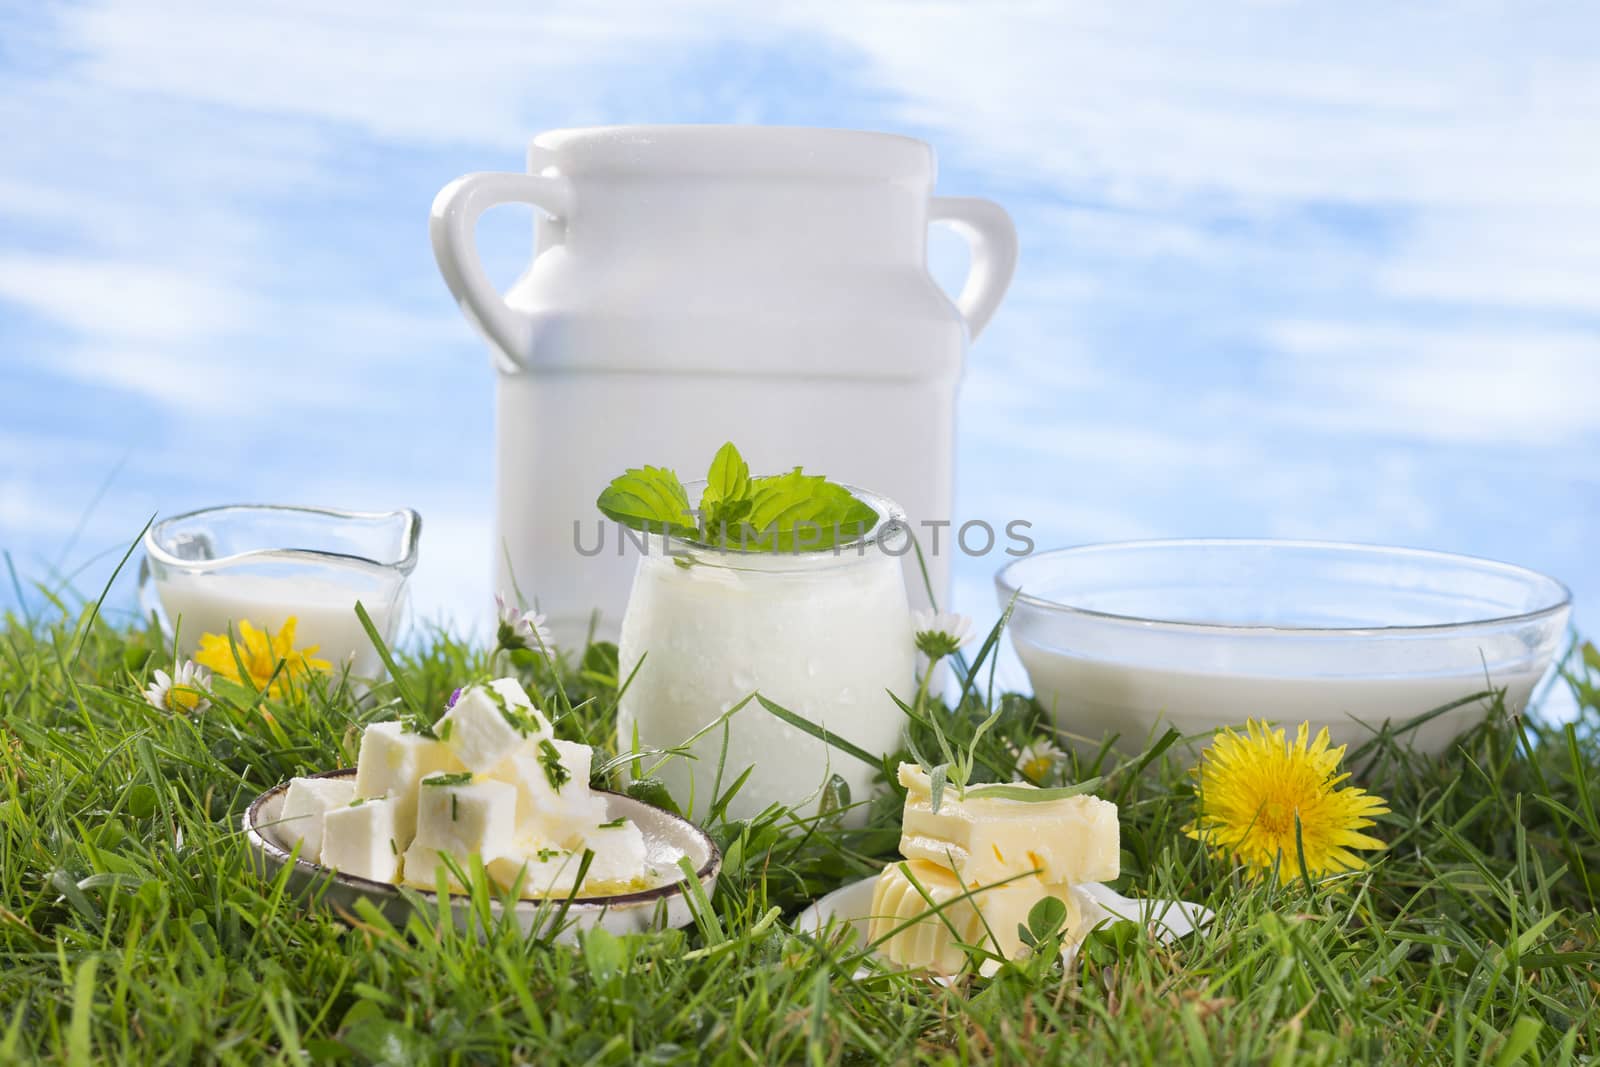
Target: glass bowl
(1132, 638)
(209, 571)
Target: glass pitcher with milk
(214, 571)
(695, 284)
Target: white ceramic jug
(698, 284)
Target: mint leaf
(726, 499)
(650, 499)
(793, 512)
(799, 511)
(729, 478)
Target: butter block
(362, 839)
(305, 803)
(988, 918)
(554, 801)
(489, 723)
(391, 762)
(986, 840)
(476, 816)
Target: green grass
(131, 928)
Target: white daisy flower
(521, 629)
(1037, 760)
(941, 633)
(183, 691)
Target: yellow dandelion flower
(260, 655)
(1255, 787)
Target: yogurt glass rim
(1561, 596)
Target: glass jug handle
(993, 238)
(452, 226)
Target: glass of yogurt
(207, 570)
(826, 634)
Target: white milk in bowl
(826, 635)
(323, 610)
(1131, 639)
(208, 571)
(1096, 697)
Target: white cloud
(128, 300)
(1451, 384)
(22, 506)
(1496, 257)
(465, 73)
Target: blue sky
(1287, 270)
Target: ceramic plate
(667, 837)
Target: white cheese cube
(362, 839)
(489, 723)
(554, 802)
(987, 840)
(476, 816)
(512, 692)
(391, 762)
(544, 872)
(424, 862)
(619, 856)
(305, 803)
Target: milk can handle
(452, 225)
(988, 229)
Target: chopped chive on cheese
(458, 778)
(554, 772)
(489, 721)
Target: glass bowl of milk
(1133, 638)
(207, 570)
(826, 634)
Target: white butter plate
(667, 838)
(851, 906)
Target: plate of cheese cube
(488, 784)
(975, 865)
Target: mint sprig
(649, 499)
(791, 512)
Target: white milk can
(698, 284)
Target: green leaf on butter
(1028, 794)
